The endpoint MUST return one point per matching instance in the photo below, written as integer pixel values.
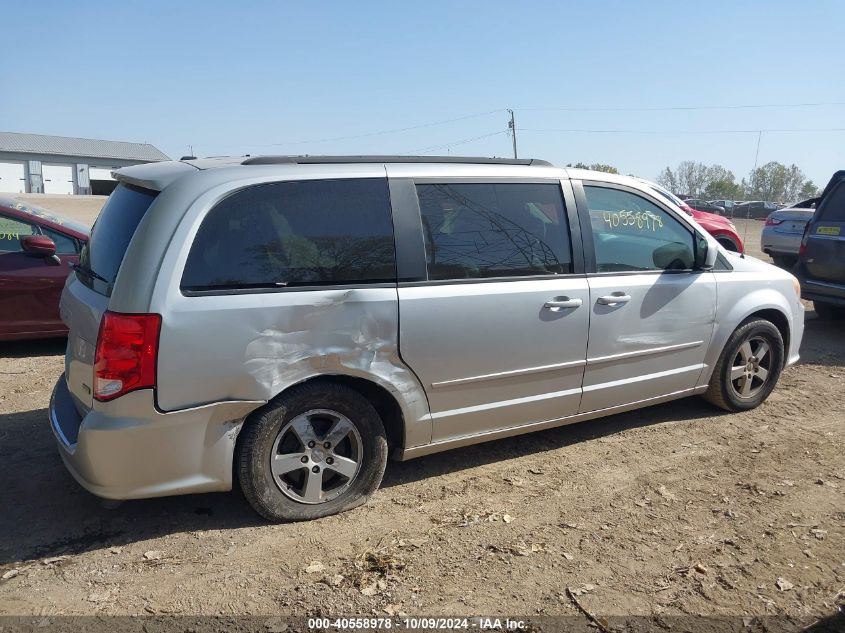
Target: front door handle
(562, 303)
(615, 298)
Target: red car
(718, 226)
(36, 248)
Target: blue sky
(277, 77)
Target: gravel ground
(671, 510)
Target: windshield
(43, 214)
(111, 235)
(671, 197)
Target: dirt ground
(671, 510)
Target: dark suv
(821, 259)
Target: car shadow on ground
(38, 347)
(458, 459)
(824, 341)
(46, 513)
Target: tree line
(773, 181)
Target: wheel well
(382, 400)
(780, 321)
(723, 239)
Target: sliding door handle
(615, 298)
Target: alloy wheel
(751, 367)
(316, 456)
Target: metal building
(34, 163)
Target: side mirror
(38, 246)
(706, 253)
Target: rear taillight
(773, 221)
(125, 359)
(803, 247)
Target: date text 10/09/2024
(417, 623)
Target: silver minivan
(290, 322)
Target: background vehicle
(702, 205)
(754, 209)
(727, 205)
(247, 312)
(821, 259)
(781, 236)
(718, 226)
(36, 247)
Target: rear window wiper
(88, 272)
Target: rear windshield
(102, 255)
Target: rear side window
(314, 232)
(110, 237)
(494, 230)
(11, 232)
(834, 206)
(632, 233)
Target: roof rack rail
(327, 160)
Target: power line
(693, 107)
(377, 133)
(565, 109)
(425, 150)
(626, 131)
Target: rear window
(304, 233)
(110, 237)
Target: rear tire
(748, 368)
(333, 432)
(828, 311)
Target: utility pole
(512, 128)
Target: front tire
(318, 449)
(748, 368)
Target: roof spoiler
(155, 176)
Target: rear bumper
(127, 449)
(776, 243)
